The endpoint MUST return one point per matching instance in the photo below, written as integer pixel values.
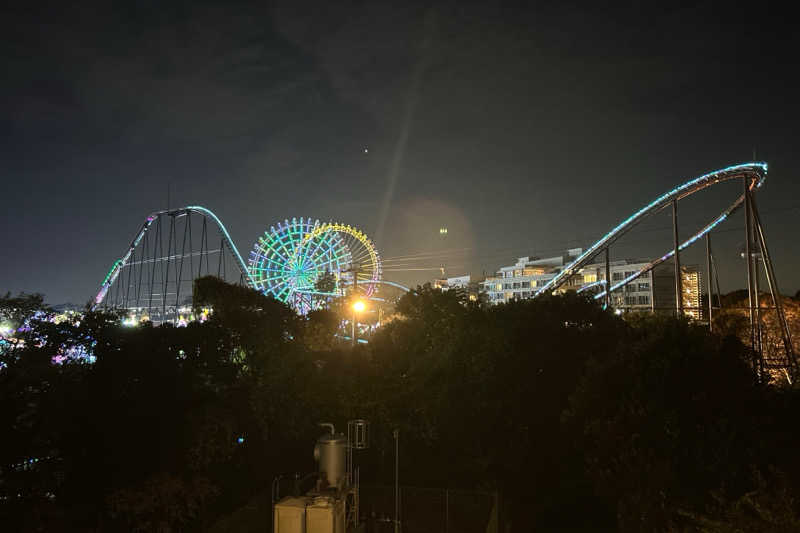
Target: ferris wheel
(364, 272)
(289, 260)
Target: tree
(671, 417)
(326, 282)
(643, 424)
(478, 392)
(320, 328)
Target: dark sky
(523, 130)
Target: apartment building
(652, 291)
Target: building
(521, 280)
(652, 291)
(638, 295)
(463, 285)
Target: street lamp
(358, 306)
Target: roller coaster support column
(678, 277)
(756, 291)
(608, 282)
(774, 291)
(747, 239)
(709, 282)
(716, 280)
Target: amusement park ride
(290, 258)
(286, 263)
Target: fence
(430, 510)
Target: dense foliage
(581, 420)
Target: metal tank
(331, 454)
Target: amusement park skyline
(522, 131)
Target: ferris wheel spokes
(289, 260)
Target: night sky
(523, 131)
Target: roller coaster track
(130, 259)
(755, 173)
(120, 263)
(753, 176)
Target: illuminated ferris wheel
(364, 271)
(289, 260)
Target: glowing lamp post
(358, 307)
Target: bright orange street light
(358, 306)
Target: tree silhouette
(326, 282)
(646, 423)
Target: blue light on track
(759, 169)
(228, 239)
(667, 255)
(120, 264)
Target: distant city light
(359, 306)
(442, 231)
(240, 440)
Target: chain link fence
(429, 510)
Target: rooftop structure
(461, 284)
